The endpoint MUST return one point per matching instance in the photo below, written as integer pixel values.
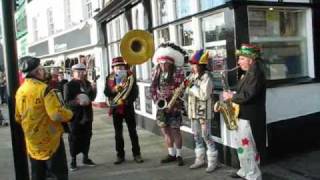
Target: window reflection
(185, 33)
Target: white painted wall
(292, 101)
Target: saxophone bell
(162, 104)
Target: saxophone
(162, 103)
(229, 110)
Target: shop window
(118, 27)
(284, 39)
(214, 40)
(207, 4)
(185, 34)
(183, 8)
(164, 35)
(163, 11)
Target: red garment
(21, 78)
(111, 84)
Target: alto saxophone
(229, 110)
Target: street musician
(251, 96)
(200, 111)
(122, 90)
(167, 76)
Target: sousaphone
(137, 47)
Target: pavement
(299, 166)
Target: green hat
(248, 50)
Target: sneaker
(88, 162)
(168, 159)
(73, 166)
(119, 160)
(180, 161)
(138, 159)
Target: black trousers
(80, 138)
(58, 165)
(129, 117)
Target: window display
(164, 35)
(185, 34)
(283, 37)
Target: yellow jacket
(40, 113)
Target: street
(300, 166)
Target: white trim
(68, 51)
(310, 52)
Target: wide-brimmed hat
(118, 61)
(199, 57)
(248, 50)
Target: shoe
(197, 164)
(119, 160)
(210, 169)
(88, 162)
(138, 159)
(180, 161)
(168, 159)
(235, 176)
(73, 165)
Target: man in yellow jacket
(40, 112)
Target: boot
(212, 161)
(199, 161)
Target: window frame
(310, 66)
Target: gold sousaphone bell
(137, 47)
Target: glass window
(214, 40)
(207, 4)
(50, 21)
(183, 8)
(185, 34)
(164, 35)
(117, 33)
(213, 28)
(163, 9)
(283, 38)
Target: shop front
(286, 33)
(77, 45)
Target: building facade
(63, 33)
(286, 30)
